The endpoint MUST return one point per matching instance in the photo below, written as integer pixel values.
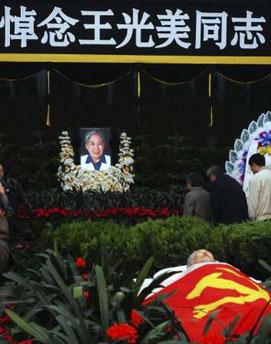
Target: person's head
(95, 143)
(256, 162)
(214, 172)
(194, 179)
(200, 256)
(2, 171)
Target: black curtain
(152, 99)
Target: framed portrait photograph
(95, 152)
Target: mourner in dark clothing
(16, 197)
(197, 199)
(13, 189)
(4, 233)
(227, 198)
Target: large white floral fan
(255, 139)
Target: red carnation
(4, 319)
(136, 319)
(85, 276)
(20, 212)
(132, 211)
(164, 212)
(112, 211)
(80, 262)
(87, 294)
(39, 212)
(75, 213)
(123, 332)
(212, 338)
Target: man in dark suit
(227, 198)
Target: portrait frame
(86, 159)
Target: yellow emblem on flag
(215, 281)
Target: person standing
(4, 232)
(227, 198)
(196, 202)
(259, 191)
(13, 189)
(16, 197)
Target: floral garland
(115, 178)
(255, 139)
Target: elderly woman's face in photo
(95, 147)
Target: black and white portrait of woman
(95, 145)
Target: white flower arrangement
(115, 178)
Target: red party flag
(217, 288)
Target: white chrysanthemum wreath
(115, 178)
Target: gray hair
(94, 132)
(214, 170)
(190, 259)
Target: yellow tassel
(210, 85)
(211, 117)
(138, 85)
(48, 82)
(210, 96)
(48, 121)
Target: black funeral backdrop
(170, 111)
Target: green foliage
(57, 305)
(175, 156)
(79, 237)
(91, 200)
(34, 165)
(24, 256)
(169, 241)
(31, 226)
(245, 244)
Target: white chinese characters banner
(134, 30)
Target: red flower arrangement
(212, 338)
(80, 262)
(136, 319)
(86, 294)
(6, 335)
(122, 331)
(2, 330)
(85, 276)
(24, 214)
(4, 319)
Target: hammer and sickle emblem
(213, 280)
